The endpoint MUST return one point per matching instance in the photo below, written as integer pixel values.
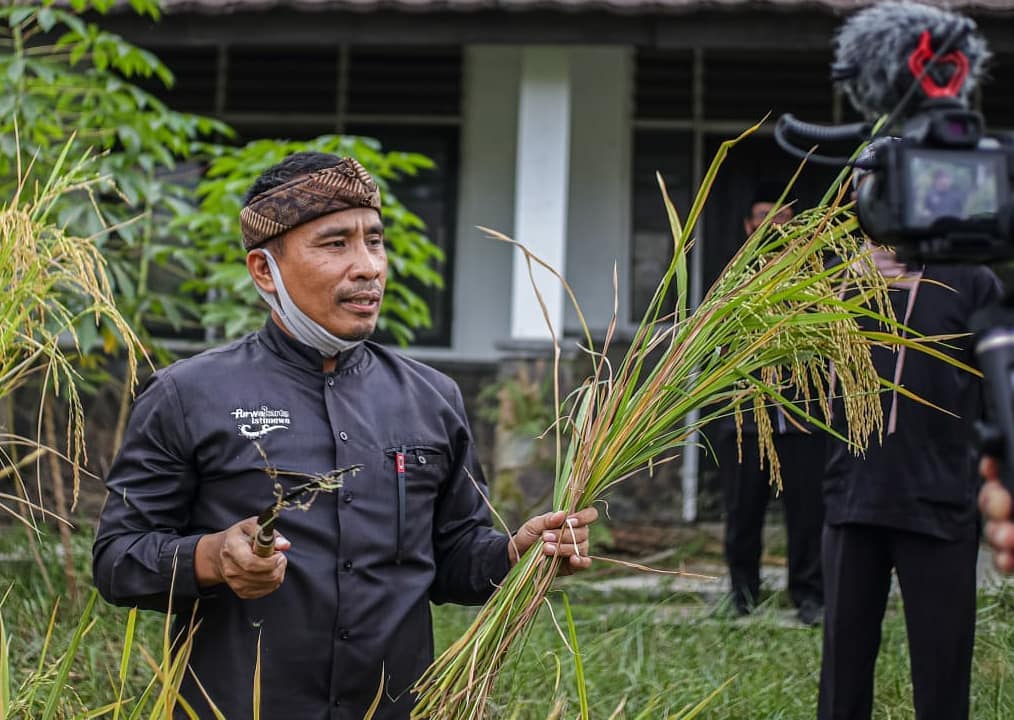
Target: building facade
(548, 120)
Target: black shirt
(348, 605)
(922, 478)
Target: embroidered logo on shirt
(260, 421)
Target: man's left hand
(563, 535)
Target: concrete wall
(599, 224)
(488, 142)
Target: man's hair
(767, 191)
(292, 167)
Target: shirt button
(344, 634)
(348, 497)
(330, 382)
(337, 702)
(348, 564)
(343, 435)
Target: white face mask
(296, 321)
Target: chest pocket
(417, 472)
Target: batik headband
(342, 187)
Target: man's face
(335, 269)
(759, 211)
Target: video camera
(938, 194)
(941, 190)
(931, 183)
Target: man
(343, 603)
(908, 505)
(747, 485)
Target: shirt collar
(296, 353)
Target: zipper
(401, 455)
(399, 468)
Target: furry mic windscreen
(873, 47)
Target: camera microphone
(893, 56)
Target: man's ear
(260, 271)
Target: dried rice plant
(772, 324)
(52, 284)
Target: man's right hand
(995, 503)
(226, 557)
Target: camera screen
(965, 185)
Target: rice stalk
(59, 686)
(582, 685)
(775, 324)
(774, 321)
(53, 283)
(128, 644)
(688, 713)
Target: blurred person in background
(747, 485)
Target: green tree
(174, 256)
(67, 78)
(64, 75)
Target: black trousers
(937, 579)
(747, 490)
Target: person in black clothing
(908, 505)
(344, 602)
(747, 485)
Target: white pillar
(541, 188)
(599, 229)
(692, 453)
(489, 134)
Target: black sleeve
(988, 289)
(471, 556)
(141, 550)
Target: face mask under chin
(302, 327)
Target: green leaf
(20, 14)
(71, 21)
(88, 334)
(15, 70)
(99, 58)
(46, 19)
(77, 53)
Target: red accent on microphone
(923, 54)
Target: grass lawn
(647, 653)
